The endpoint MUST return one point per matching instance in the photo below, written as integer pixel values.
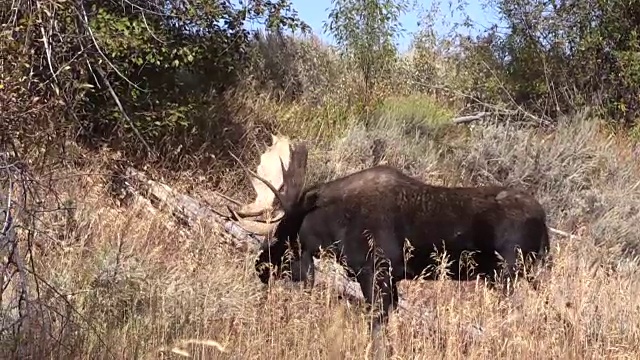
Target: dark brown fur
(383, 207)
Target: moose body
(367, 218)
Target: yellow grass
(133, 283)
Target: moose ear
(274, 139)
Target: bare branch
(124, 113)
(8, 241)
(496, 110)
(564, 234)
(85, 22)
(470, 118)
(47, 45)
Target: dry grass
(137, 285)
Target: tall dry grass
(129, 282)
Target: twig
(7, 216)
(228, 198)
(144, 20)
(47, 45)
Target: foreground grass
(131, 283)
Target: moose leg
(496, 272)
(301, 269)
(305, 270)
(394, 291)
(375, 287)
(541, 266)
(507, 271)
(525, 265)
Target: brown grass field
(131, 283)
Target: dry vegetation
(108, 280)
(133, 283)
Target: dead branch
(564, 234)
(122, 111)
(470, 118)
(495, 109)
(13, 295)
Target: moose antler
(273, 163)
(269, 169)
(292, 184)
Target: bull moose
(368, 218)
